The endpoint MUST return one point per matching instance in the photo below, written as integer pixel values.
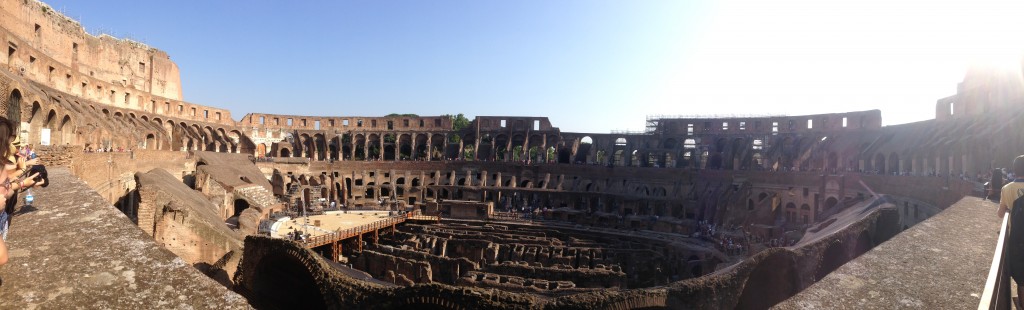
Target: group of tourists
(119, 149)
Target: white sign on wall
(44, 138)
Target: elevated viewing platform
(72, 249)
(940, 263)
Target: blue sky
(591, 66)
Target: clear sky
(591, 66)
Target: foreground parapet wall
(71, 249)
(941, 265)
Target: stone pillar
(380, 153)
(544, 148)
(430, 148)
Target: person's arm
(1003, 205)
(3, 252)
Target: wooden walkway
(354, 232)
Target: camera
(42, 174)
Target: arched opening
(772, 281)
(285, 282)
(240, 205)
(14, 106)
(833, 257)
(830, 203)
(285, 152)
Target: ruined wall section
(185, 222)
(55, 41)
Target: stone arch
(36, 108)
(67, 131)
(774, 279)
(283, 277)
(831, 202)
(835, 255)
(879, 163)
(894, 163)
(14, 106)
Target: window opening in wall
(792, 125)
(810, 124)
(707, 126)
(67, 81)
(405, 123)
(844, 122)
(31, 61)
(288, 121)
(743, 125)
(775, 128)
(262, 119)
(391, 125)
(38, 30)
(344, 122)
(127, 97)
(502, 123)
(218, 116)
(181, 109)
(206, 113)
(757, 125)
(951, 108)
(330, 122)
(49, 74)
(167, 107)
(74, 50)
(152, 106)
(10, 52)
(142, 67)
(421, 123)
(725, 125)
(277, 121)
(359, 123)
(689, 129)
(437, 122)
(113, 93)
(193, 112)
(302, 122)
(758, 144)
(316, 125)
(536, 125)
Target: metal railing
(351, 232)
(997, 293)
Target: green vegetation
(401, 115)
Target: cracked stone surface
(940, 263)
(72, 249)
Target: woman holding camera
(13, 177)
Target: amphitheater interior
(496, 211)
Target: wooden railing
(997, 293)
(352, 232)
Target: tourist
(1011, 194)
(995, 184)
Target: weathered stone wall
(184, 222)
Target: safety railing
(351, 232)
(997, 293)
